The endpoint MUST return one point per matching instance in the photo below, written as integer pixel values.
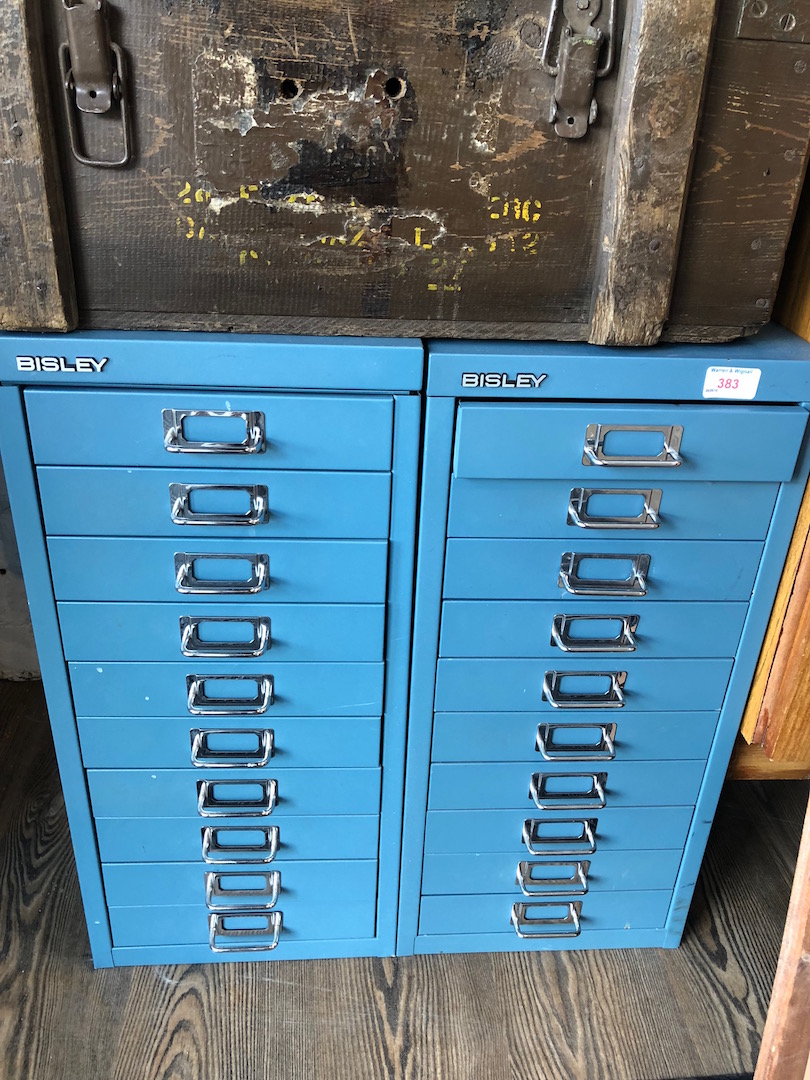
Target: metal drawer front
(548, 440)
(490, 913)
(186, 504)
(531, 569)
(299, 431)
(522, 685)
(579, 627)
(169, 743)
(499, 872)
(572, 789)
(321, 915)
(279, 633)
(526, 737)
(221, 688)
(570, 509)
(303, 884)
(299, 571)
(180, 839)
(555, 835)
(167, 792)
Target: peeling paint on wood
(396, 167)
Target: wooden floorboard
(634, 1015)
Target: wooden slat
(660, 94)
(36, 276)
(793, 303)
(752, 763)
(777, 645)
(785, 1051)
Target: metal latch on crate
(93, 77)
(584, 54)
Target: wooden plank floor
(645, 1015)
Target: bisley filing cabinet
(217, 536)
(600, 540)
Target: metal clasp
(579, 49)
(93, 76)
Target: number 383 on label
(731, 382)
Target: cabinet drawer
(303, 884)
(314, 918)
(227, 841)
(261, 798)
(252, 571)
(523, 685)
(491, 913)
(589, 628)
(527, 737)
(608, 871)
(568, 510)
(281, 633)
(547, 441)
(637, 570)
(218, 689)
(185, 503)
(532, 832)
(298, 431)
(172, 743)
(565, 789)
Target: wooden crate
(382, 169)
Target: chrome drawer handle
(218, 927)
(580, 841)
(604, 749)
(575, 883)
(186, 581)
(217, 853)
(593, 452)
(205, 758)
(209, 805)
(192, 645)
(635, 584)
(182, 514)
(612, 698)
(594, 799)
(216, 888)
(175, 441)
(527, 923)
(625, 640)
(647, 519)
(200, 704)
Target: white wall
(18, 658)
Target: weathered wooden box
(580, 169)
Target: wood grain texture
(777, 656)
(36, 276)
(638, 1015)
(453, 210)
(732, 244)
(793, 300)
(785, 1051)
(665, 59)
(752, 763)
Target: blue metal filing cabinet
(218, 538)
(217, 535)
(601, 537)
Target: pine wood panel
(777, 713)
(643, 1015)
(785, 1051)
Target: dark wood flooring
(644, 1015)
